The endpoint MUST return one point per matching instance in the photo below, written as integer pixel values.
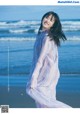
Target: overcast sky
(36, 12)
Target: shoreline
(17, 98)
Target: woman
(45, 72)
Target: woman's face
(48, 22)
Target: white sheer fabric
(44, 73)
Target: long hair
(55, 31)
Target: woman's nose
(48, 20)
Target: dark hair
(55, 31)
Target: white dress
(45, 73)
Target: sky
(28, 12)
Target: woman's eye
(51, 20)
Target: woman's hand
(33, 84)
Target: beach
(16, 97)
(17, 39)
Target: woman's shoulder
(43, 36)
(47, 37)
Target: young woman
(45, 72)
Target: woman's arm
(44, 51)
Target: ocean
(17, 39)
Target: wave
(24, 31)
(18, 31)
(71, 28)
(71, 25)
(23, 22)
(17, 39)
(66, 25)
(17, 24)
(3, 23)
(35, 30)
(74, 38)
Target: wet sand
(17, 98)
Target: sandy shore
(17, 98)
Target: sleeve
(43, 52)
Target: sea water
(17, 39)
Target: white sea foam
(74, 38)
(18, 31)
(67, 25)
(36, 30)
(71, 28)
(17, 39)
(23, 30)
(2, 23)
(70, 22)
(71, 25)
(21, 23)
